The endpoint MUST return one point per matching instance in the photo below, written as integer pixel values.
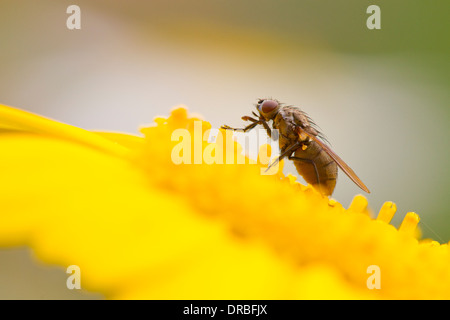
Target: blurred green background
(380, 96)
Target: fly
(301, 142)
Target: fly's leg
(251, 126)
(247, 128)
(247, 118)
(266, 126)
(285, 153)
(260, 121)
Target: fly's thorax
(286, 127)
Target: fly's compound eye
(268, 106)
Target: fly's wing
(347, 170)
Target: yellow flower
(140, 226)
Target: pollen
(303, 136)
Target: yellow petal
(19, 120)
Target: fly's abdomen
(316, 167)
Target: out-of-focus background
(380, 96)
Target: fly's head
(268, 108)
